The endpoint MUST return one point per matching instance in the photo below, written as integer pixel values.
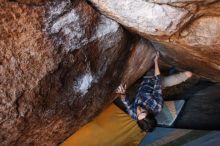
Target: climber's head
(145, 119)
(148, 123)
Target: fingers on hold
(158, 54)
(121, 88)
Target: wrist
(157, 74)
(122, 96)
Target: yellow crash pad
(113, 127)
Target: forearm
(157, 69)
(126, 103)
(157, 85)
(129, 107)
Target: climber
(148, 101)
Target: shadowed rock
(139, 61)
(201, 110)
(60, 62)
(188, 31)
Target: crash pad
(113, 127)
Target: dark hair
(148, 123)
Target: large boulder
(187, 31)
(59, 63)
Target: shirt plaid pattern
(149, 97)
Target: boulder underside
(61, 60)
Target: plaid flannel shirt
(149, 97)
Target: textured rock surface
(181, 1)
(58, 63)
(61, 60)
(144, 17)
(26, 56)
(140, 60)
(188, 29)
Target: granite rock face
(59, 62)
(144, 17)
(139, 61)
(187, 31)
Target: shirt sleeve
(130, 108)
(157, 91)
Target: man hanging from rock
(148, 101)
